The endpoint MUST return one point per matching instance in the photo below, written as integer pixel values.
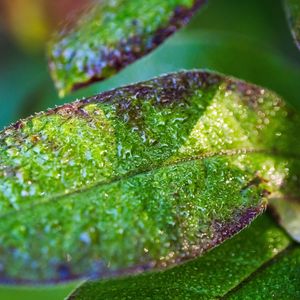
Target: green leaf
(278, 279)
(293, 12)
(37, 292)
(208, 277)
(112, 34)
(144, 176)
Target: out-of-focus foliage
(32, 22)
(293, 12)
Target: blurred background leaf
(31, 22)
(293, 16)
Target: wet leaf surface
(145, 176)
(111, 35)
(293, 12)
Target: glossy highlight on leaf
(141, 177)
(293, 12)
(111, 35)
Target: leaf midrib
(157, 166)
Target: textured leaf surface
(144, 176)
(279, 279)
(111, 35)
(293, 12)
(202, 278)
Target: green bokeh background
(249, 39)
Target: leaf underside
(293, 13)
(111, 35)
(141, 177)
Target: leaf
(208, 277)
(112, 34)
(37, 292)
(293, 13)
(278, 279)
(144, 176)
